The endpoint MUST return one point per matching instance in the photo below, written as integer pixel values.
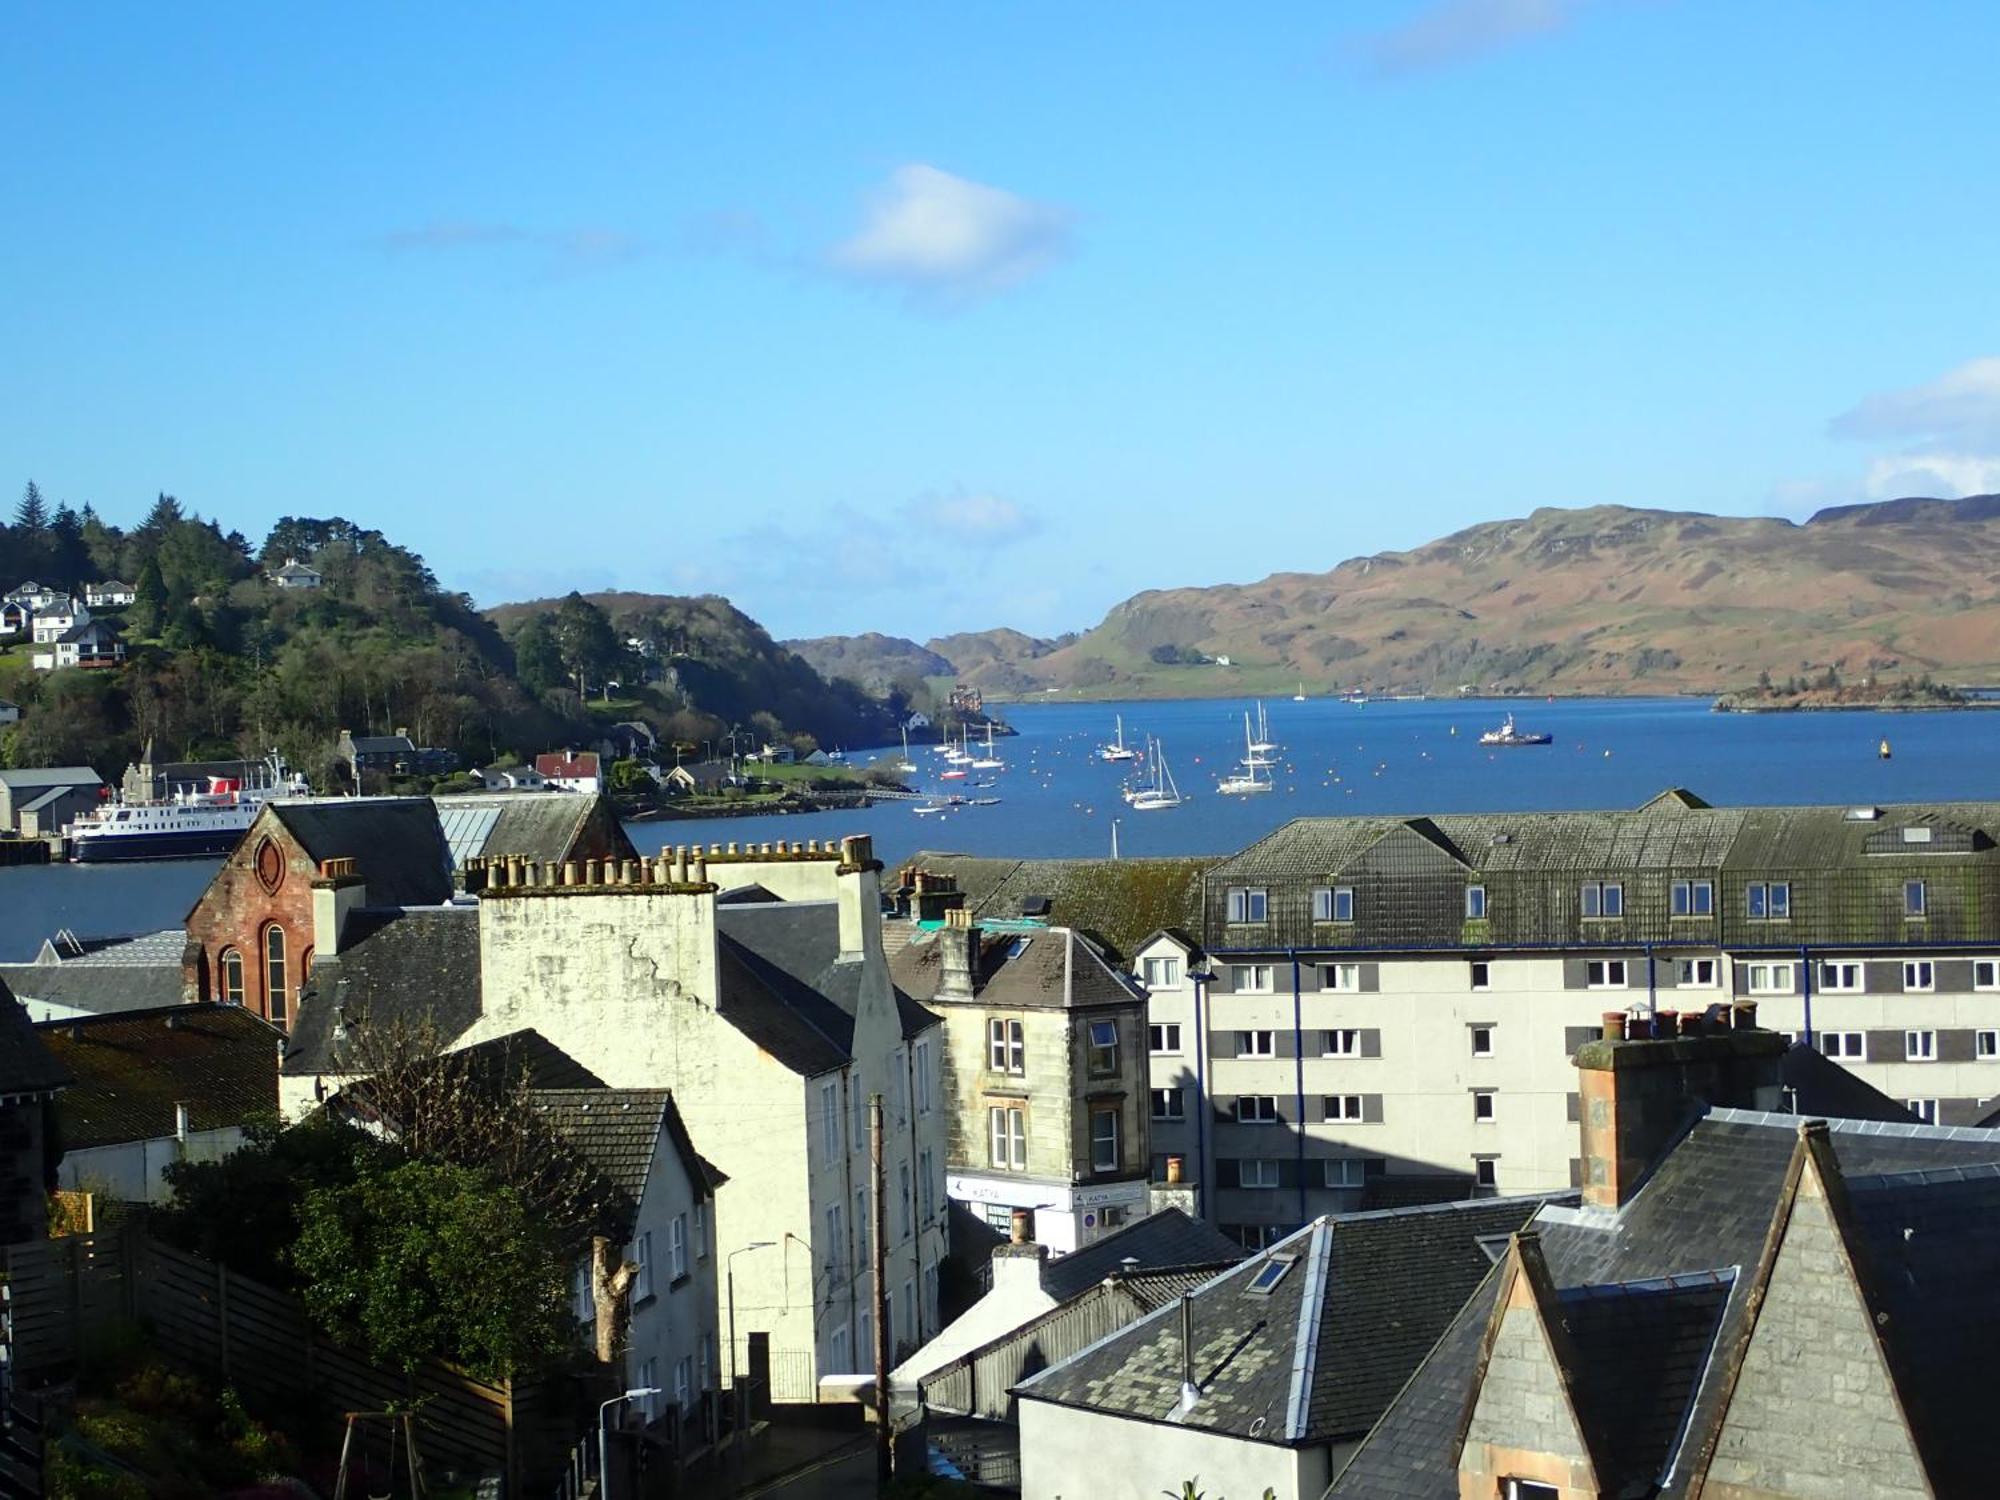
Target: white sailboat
(1263, 742)
(989, 761)
(904, 766)
(1118, 749)
(1163, 792)
(958, 755)
(1246, 781)
(1300, 695)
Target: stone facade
(264, 887)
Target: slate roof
(1119, 903)
(1820, 1087)
(618, 1130)
(1318, 1357)
(131, 1070)
(1707, 1209)
(38, 780)
(27, 1068)
(396, 842)
(546, 828)
(1051, 967)
(103, 975)
(414, 965)
(381, 744)
(788, 952)
(1167, 1238)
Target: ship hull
(203, 843)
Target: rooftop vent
(1503, 838)
(1034, 906)
(1863, 814)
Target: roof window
(1863, 814)
(1019, 946)
(1269, 1275)
(1917, 833)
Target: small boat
(1263, 742)
(1163, 792)
(989, 761)
(924, 809)
(1507, 734)
(1300, 695)
(904, 766)
(1354, 696)
(1883, 749)
(956, 773)
(1117, 749)
(1246, 782)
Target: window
(1103, 1048)
(1695, 974)
(699, 1232)
(1256, 1044)
(1251, 979)
(1916, 834)
(1343, 977)
(1346, 1172)
(1529, 1489)
(1343, 1107)
(1486, 1171)
(1986, 974)
(1920, 1046)
(837, 1351)
(1482, 1041)
(926, 1185)
(1340, 1043)
(1256, 1109)
(677, 1248)
(1845, 977)
(899, 1088)
(836, 1242)
(1169, 1104)
(1333, 903)
(903, 1197)
(1008, 1127)
(829, 1120)
(683, 1384)
(1924, 1109)
(1913, 897)
(707, 1363)
(1246, 905)
(923, 1057)
(1481, 974)
(274, 973)
(649, 1379)
(1162, 973)
(1846, 1046)
(1256, 1172)
(1104, 1154)
(864, 1342)
(582, 1305)
(1605, 973)
(859, 1100)
(1006, 1047)
(1163, 1038)
(1767, 901)
(1919, 974)
(864, 1225)
(1269, 1275)
(1693, 898)
(642, 1256)
(906, 1315)
(1771, 979)
(1475, 903)
(1483, 1104)
(1601, 898)
(230, 970)
(1986, 1045)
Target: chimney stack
(958, 955)
(1638, 1095)
(337, 889)
(1019, 1262)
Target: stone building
(30, 1080)
(753, 984)
(1044, 1072)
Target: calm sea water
(1057, 798)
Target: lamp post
(729, 1271)
(604, 1441)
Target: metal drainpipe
(1299, 1079)
(1805, 980)
(1200, 1099)
(1652, 988)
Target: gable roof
(548, 828)
(557, 765)
(131, 1070)
(1708, 1209)
(27, 1068)
(800, 940)
(411, 967)
(23, 781)
(1316, 1357)
(1029, 967)
(104, 975)
(1167, 1238)
(618, 1131)
(396, 843)
(1118, 903)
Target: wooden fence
(70, 1294)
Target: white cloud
(980, 518)
(947, 241)
(1451, 31)
(1951, 429)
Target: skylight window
(1019, 946)
(1269, 1275)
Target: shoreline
(1973, 706)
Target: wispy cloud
(1443, 32)
(581, 249)
(976, 518)
(1949, 428)
(946, 241)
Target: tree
(589, 647)
(538, 659)
(149, 607)
(32, 515)
(425, 1260)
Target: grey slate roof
(57, 776)
(1317, 1358)
(539, 827)
(1707, 1208)
(119, 974)
(412, 965)
(395, 841)
(1167, 1238)
(27, 1068)
(1820, 1087)
(131, 1069)
(787, 953)
(1055, 967)
(1119, 903)
(618, 1131)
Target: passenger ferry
(189, 824)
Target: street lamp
(729, 1274)
(603, 1440)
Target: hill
(1607, 599)
(877, 662)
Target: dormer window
(1601, 898)
(1333, 903)
(1247, 904)
(1917, 834)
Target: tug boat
(1507, 734)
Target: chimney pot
(1022, 1229)
(1175, 1165)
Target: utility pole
(878, 1249)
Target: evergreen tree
(149, 610)
(32, 515)
(165, 514)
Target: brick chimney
(958, 954)
(933, 895)
(1639, 1095)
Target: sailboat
(1263, 742)
(1300, 695)
(904, 766)
(989, 761)
(1163, 792)
(1118, 749)
(958, 755)
(1246, 781)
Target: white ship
(187, 823)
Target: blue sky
(942, 317)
